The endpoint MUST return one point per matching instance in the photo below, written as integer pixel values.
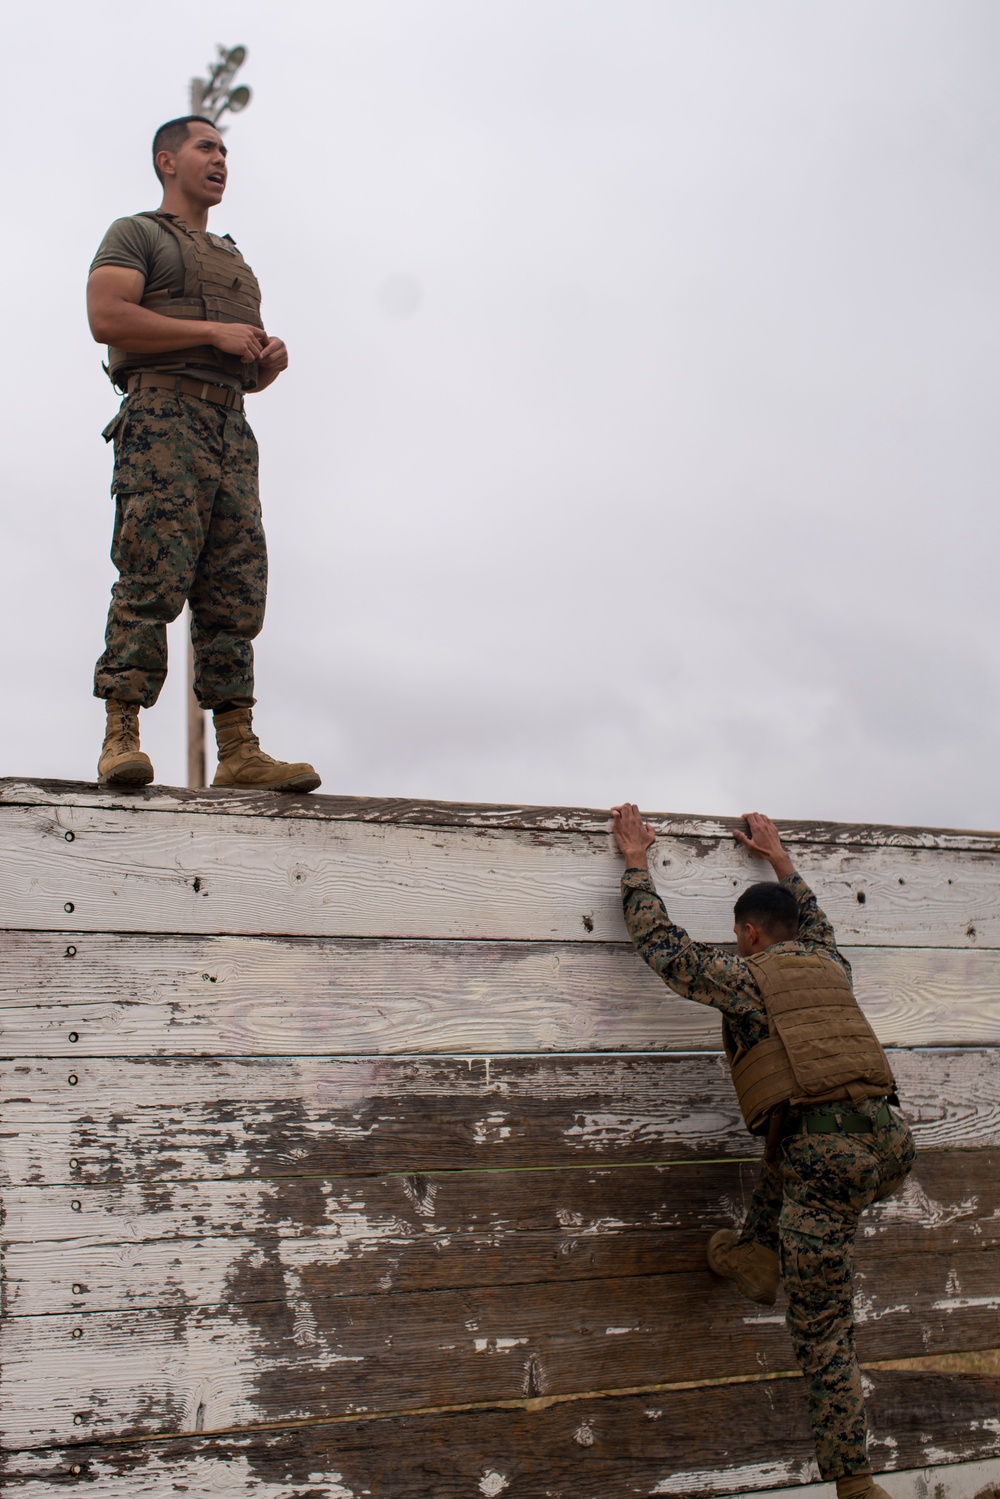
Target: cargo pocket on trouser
(896, 1151)
(113, 433)
(110, 432)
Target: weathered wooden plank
(143, 1120)
(970, 1480)
(678, 1442)
(174, 1244)
(698, 1443)
(297, 1354)
(190, 872)
(408, 812)
(95, 994)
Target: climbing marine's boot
(122, 762)
(753, 1267)
(243, 763)
(860, 1486)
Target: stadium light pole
(212, 97)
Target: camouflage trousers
(806, 1207)
(187, 528)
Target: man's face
(200, 165)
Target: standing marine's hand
(764, 842)
(632, 835)
(242, 339)
(274, 356)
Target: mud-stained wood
(145, 1120)
(408, 812)
(294, 1353)
(78, 993)
(698, 1443)
(305, 1354)
(174, 1245)
(196, 872)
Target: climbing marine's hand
(632, 835)
(764, 842)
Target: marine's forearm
(139, 330)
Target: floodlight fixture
(212, 96)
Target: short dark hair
(174, 133)
(771, 907)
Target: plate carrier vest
(219, 287)
(820, 1047)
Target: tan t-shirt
(141, 244)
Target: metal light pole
(211, 97)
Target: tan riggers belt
(219, 287)
(820, 1049)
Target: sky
(639, 438)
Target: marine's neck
(194, 213)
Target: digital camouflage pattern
(187, 528)
(709, 974)
(806, 1206)
(808, 1201)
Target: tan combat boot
(122, 762)
(860, 1486)
(243, 763)
(753, 1268)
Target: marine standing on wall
(812, 1077)
(179, 309)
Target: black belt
(836, 1122)
(183, 385)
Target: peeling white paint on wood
(15, 791)
(173, 1245)
(164, 1477)
(287, 1347)
(227, 1021)
(138, 1119)
(749, 1476)
(202, 873)
(235, 996)
(948, 1481)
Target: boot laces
(127, 731)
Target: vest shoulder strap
(192, 271)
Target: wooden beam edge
(17, 791)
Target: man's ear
(753, 935)
(165, 162)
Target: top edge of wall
(18, 791)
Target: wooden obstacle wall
(349, 1150)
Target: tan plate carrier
(820, 1049)
(219, 287)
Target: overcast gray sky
(640, 435)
